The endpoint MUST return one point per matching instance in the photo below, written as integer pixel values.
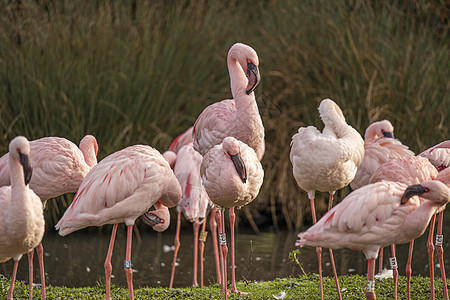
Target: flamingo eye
(249, 61)
(427, 190)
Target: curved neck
(89, 154)
(238, 80)
(418, 220)
(17, 185)
(334, 124)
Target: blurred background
(133, 71)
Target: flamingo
(59, 166)
(120, 188)
(379, 147)
(439, 156)
(377, 215)
(408, 170)
(22, 222)
(193, 204)
(232, 176)
(238, 117)
(326, 161)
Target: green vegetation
(134, 71)
(303, 287)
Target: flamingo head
(379, 129)
(433, 190)
(231, 147)
(248, 60)
(158, 219)
(19, 149)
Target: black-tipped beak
(151, 219)
(240, 166)
(388, 134)
(27, 169)
(253, 77)
(411, 191)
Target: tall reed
(141, 71)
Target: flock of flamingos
(216, 165)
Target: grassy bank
(141, 72)
(303, 287)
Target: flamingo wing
(211, 126)
(439, 155)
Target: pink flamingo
(379, 147)
(232, 176)
(408, 170)
(326, 161)
(22, 222)
(194, 203)
(439, 156)
(59, 167)
(375, 216)
(238, 117)
(120, 188)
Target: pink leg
(370, 289)
(380, 260)
(40, 253)
(224, 250)
(318, 250)
(440, 252)
(127, 263)
(408, 269)
(177, 246)
(333, 266)
(213, 228)
(108, 266)
(196, 229)
(430, 247)
(201, 248)
(233, 258)
(13, 279)
(394, 268)
(30, 274)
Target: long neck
(334, 124)
(418, 220)
(89, 156)
(17, 185)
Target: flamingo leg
(318, 249)
(370, 289)
(177, 247)
(213, 228)
(224, 250)
(127, 263)
(108, 266)
(40, 253)
(196, 227)
(333, 266)
(430, 248)
(394, 267)
(233, 257)
(408, 269)
(440, 252)
(13, 279)
(30, 274)
(201, 248)
(380, 260)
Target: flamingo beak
(388, 134)
(240, 166)
(27, 169)
(253, 77)
(411, 191)
(151, 219)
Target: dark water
(77, 260)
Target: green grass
(134, 71)
(302, 287)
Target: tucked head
(230, 146)
(379, 129)
(158, 219)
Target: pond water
(77, 259)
